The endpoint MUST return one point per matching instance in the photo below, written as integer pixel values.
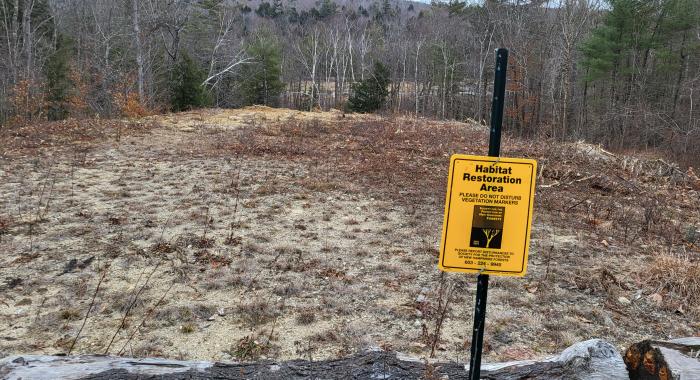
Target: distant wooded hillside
(625, 73)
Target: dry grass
(72, 137)
(257, 313)
(251, 348)
(677, 279)
(188, 328)
(319, 232)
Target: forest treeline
(620, 72)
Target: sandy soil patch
(238, 234)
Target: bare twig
(444, 296)
(206, 226)
(72, 179)
(145, 318)
(92, 303)
(576, 204)
(131, 305)
(229, 239)
(549, 259)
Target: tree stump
(677, 359)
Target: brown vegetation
(270, 232)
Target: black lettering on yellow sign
(492, 179)
(488, 214)
(491, 188)
(503, 177)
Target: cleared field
(239, 234)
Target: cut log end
(657, 360)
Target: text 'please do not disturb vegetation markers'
(488, 213)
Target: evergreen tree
(188, 91)
(267, 10)
(623, 32)
(386, 8)
(260, 81)
(363, 11)
(328, 8)
(641, 42)
(456, 7)
(369, 95)
(278, 7)
(58, 81)
(315, 14)
(293, 15)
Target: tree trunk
(403, 78)
(583, 117)
(444, 82)
(679, 80)
(566, 85)
(590, 360)
(28, 41)
(415, 75)
(139, 49)
(12, 28)
(673, 360)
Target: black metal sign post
(482, 284)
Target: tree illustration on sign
(487, 227)
(490, 233)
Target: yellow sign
(488, 212)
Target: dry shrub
(128, 104)
(151, 347)
(69, 314)
(306, 317)
(250, 348)
(77, 104)
(188, 328)
(257, 313)
(303, 128)
(183, 315)
(75, 137)
(678, 277)
(27, 101)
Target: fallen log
(677, 359)
(591, 360)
